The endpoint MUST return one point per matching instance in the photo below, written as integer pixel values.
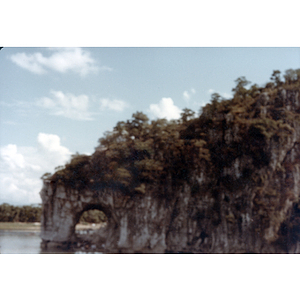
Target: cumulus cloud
(67, 105)
(165, 109)
(22, 167)
(61, 60)
(31, 63)
(12, 158)
(116, 105)
(224, 95)
(188, 94)
(78, 107)
(49, 146)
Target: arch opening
(89, 222)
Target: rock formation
(231, 186)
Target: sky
(55, 102)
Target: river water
(19, 242)
(25, 242)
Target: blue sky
(58, 101)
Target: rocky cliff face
(242, 198)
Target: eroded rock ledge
(245, 199)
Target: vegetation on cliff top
(138, 152)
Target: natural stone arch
(91, 207)
(62, 210)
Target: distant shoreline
(20, 226)
(36, 226)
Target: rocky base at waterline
(83, 240)
(70, 247)
(225, 182)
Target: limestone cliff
(225, 182)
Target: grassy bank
(20, 226)
(84, 226)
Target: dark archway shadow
(89, 235)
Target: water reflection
(20, 242)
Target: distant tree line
(32, 213)
(26, 213)
(93, 216)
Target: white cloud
(78, 107)
(12, 158)
(224, 95)
(116, 105)
(188, 94)
(49, 145)
(61, 60)
(67, 105)
(165, 109)
(16, 104)
(22, 167)
(30, 62)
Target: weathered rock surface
(248, 204)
